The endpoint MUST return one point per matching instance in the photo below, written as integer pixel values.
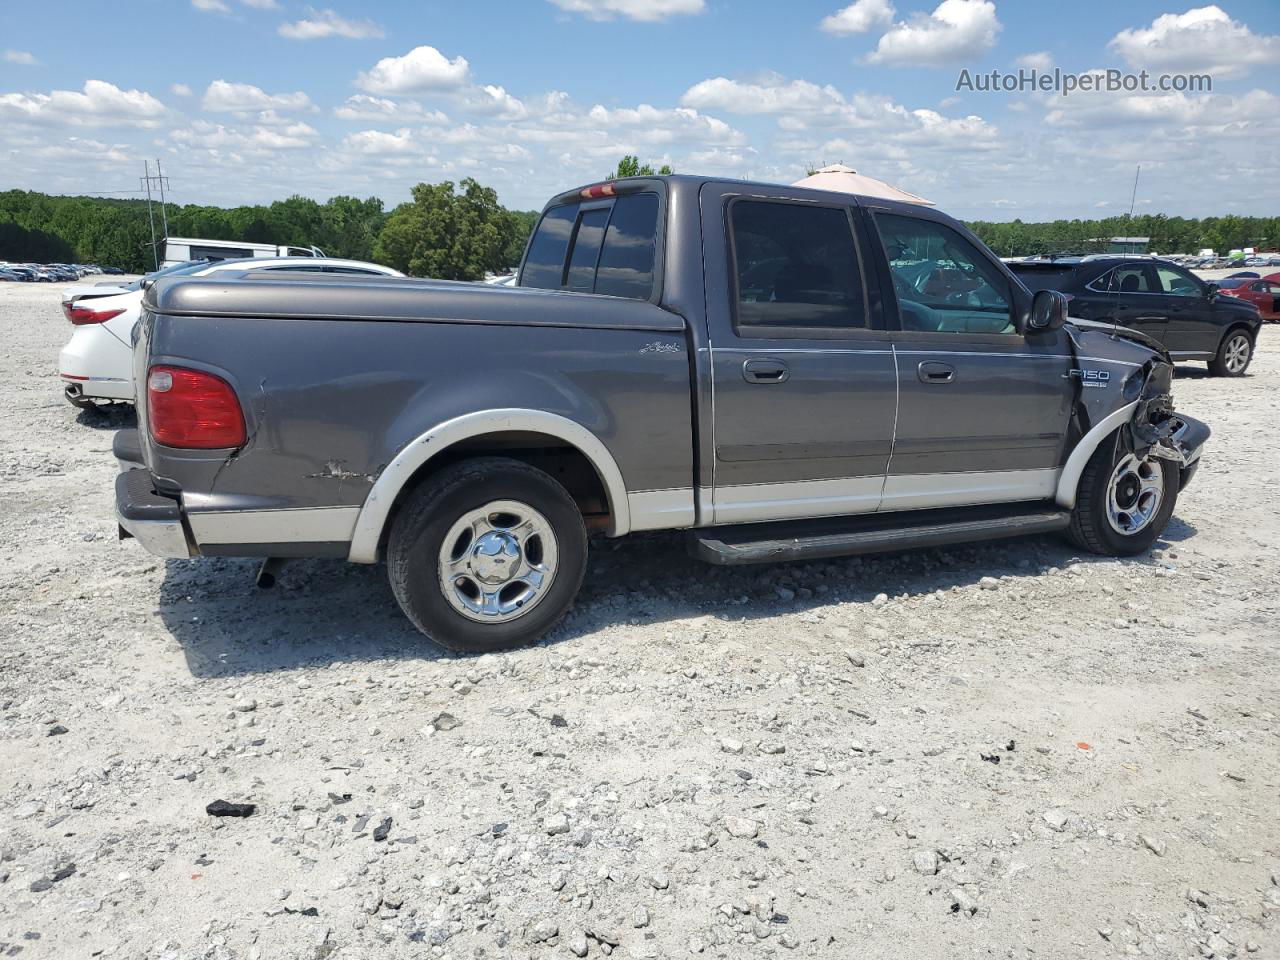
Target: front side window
(796, 266)
(943, 283)
(1176, 283)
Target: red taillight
(82, 316)
(192, 410)
(596, 190)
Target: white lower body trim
(748, 503)
(302, 525)
(927, 491)
(661, 509)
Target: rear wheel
(487, 554)
(1124, 501)
(1234, 355)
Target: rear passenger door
(1130, 295)
(982, 410)
(803, 379)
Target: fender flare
(377, 505)
(1069, 480)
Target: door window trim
(760, 331)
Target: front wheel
(1124, 501)
(1234, 355)
(487, 554)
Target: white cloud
(326, 23)
(645, 10)
(259, 139)
(421, 69)
(957, 30)
(378, 142)
(1040, 60)
(21, 57)
(262, 4)
(211, 6)
(1178, 114)
(859, 17)
(1201, 39)
(224, 97)
(180, 90)
(98, 104)
(366, 109)
(772, 94)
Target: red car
(1262, 292)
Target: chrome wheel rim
(1134, 494)
(497, 562)
(1237, 357)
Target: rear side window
(796, 266)
(630, 246)
(609, 249)
(544, 263)
(1127, 279)
(586, 250)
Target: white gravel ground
(1012, 751)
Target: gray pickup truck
(784, 373)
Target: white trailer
(181, 249)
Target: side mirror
(1210, 290)
(1048, 311)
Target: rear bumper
(155, 521)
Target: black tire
(1226, 363)
(426, 518)
(1090, 527)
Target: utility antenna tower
(161, 183)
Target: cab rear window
(607, 248)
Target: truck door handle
(765, 370)
(932, 371)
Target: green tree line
(451, 233)
(1168, 234)
(460, 232)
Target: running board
(872, 533)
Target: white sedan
(97, 363)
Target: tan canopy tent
(844, 179)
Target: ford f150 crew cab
(783, 372)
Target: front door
(803, 383)
(983, 410)
(1191, 331)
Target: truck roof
(693, 183)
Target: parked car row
(51, 272)
(96, 364)
(782, 372)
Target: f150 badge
(1089, 378)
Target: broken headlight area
(1156, 429)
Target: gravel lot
(1000, 751)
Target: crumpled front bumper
(1180, 439)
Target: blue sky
(252, 100)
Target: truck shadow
(326, 611)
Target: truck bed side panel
(328, 403)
